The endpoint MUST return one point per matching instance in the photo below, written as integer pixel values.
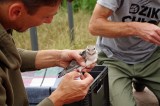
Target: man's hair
(32, 6)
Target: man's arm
(46, 102)
(33, 60)
(2, 91)
(100, 25)
(61, 58)
(28, 59)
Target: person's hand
(67, 56)
(88, 68)
(71, 90)
(148, 32)
(62, 58)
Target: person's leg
(120, 82)
(120, 87)
(149, 72)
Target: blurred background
(57, 34)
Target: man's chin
(21, 30)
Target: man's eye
(46, 17)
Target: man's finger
(74, 74)
(88, 78)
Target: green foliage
(56, 34)
(87, 5)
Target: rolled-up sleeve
(46, 102)
(28, 59)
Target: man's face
(43, 15)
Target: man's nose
(48, 20)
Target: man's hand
(89, 55)
(71, 90)
(148, 32)
(67, 56)
(62, 58)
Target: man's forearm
(112, 29)
(47, 58)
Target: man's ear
(15, 11)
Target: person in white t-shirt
(129, 39)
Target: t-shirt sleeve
(110, 4)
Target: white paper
(36, 82)
(48, 82)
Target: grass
(56, 34)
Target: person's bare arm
(100, 25)
(62, 58)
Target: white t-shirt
(130, 49)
